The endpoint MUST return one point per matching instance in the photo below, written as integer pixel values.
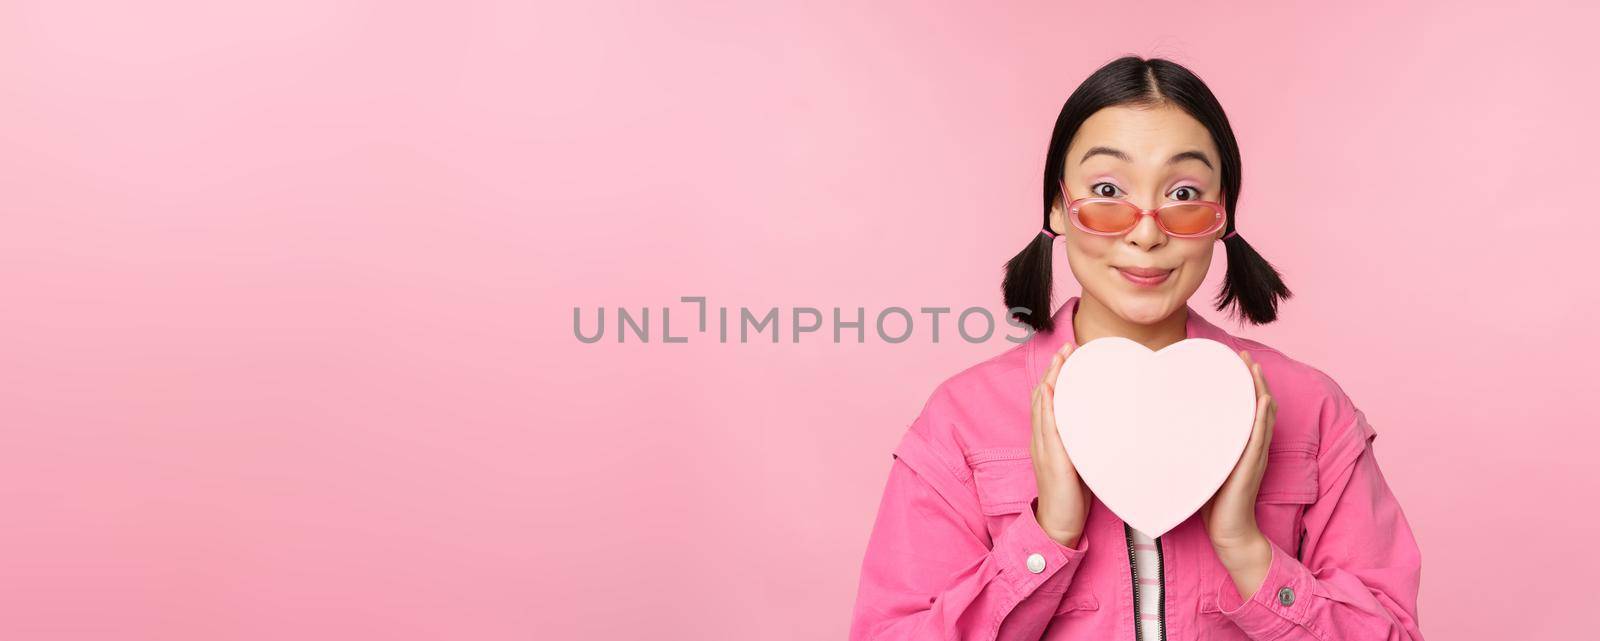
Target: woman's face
(1124, 152)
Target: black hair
(1251, 284)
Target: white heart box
(1154, 434)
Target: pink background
(290, 285)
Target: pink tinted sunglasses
(1115, 216)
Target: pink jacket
(948, 554)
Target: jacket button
(1035, 563)
(1286, 596)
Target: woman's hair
(1251, 283)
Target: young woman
(985, 530)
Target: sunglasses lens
(1188, 219)
(1118, 217)
(1108, 217)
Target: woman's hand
(1063, 496)
(1230, 514)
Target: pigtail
(1027, 283)
(1251, 284)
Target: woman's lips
(1144, 276)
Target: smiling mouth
(1144, 276)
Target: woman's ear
(1058, 219)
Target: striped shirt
(1148, 565)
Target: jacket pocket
(1004, 480)
(1288, 487)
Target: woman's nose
(1146, 233)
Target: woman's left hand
(1230, 514)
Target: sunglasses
(1115, 216)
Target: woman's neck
(1092, 320)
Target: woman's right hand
(1063, 496)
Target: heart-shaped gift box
(1154, 434)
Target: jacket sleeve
(931, 570)
(1362, 567)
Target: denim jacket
(948, 556)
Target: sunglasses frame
(1073, 206)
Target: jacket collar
(1044, 344)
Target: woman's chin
(1144, 307)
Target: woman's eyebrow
(1175, 159)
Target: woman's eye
(1104, 190)
(1193, 194)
